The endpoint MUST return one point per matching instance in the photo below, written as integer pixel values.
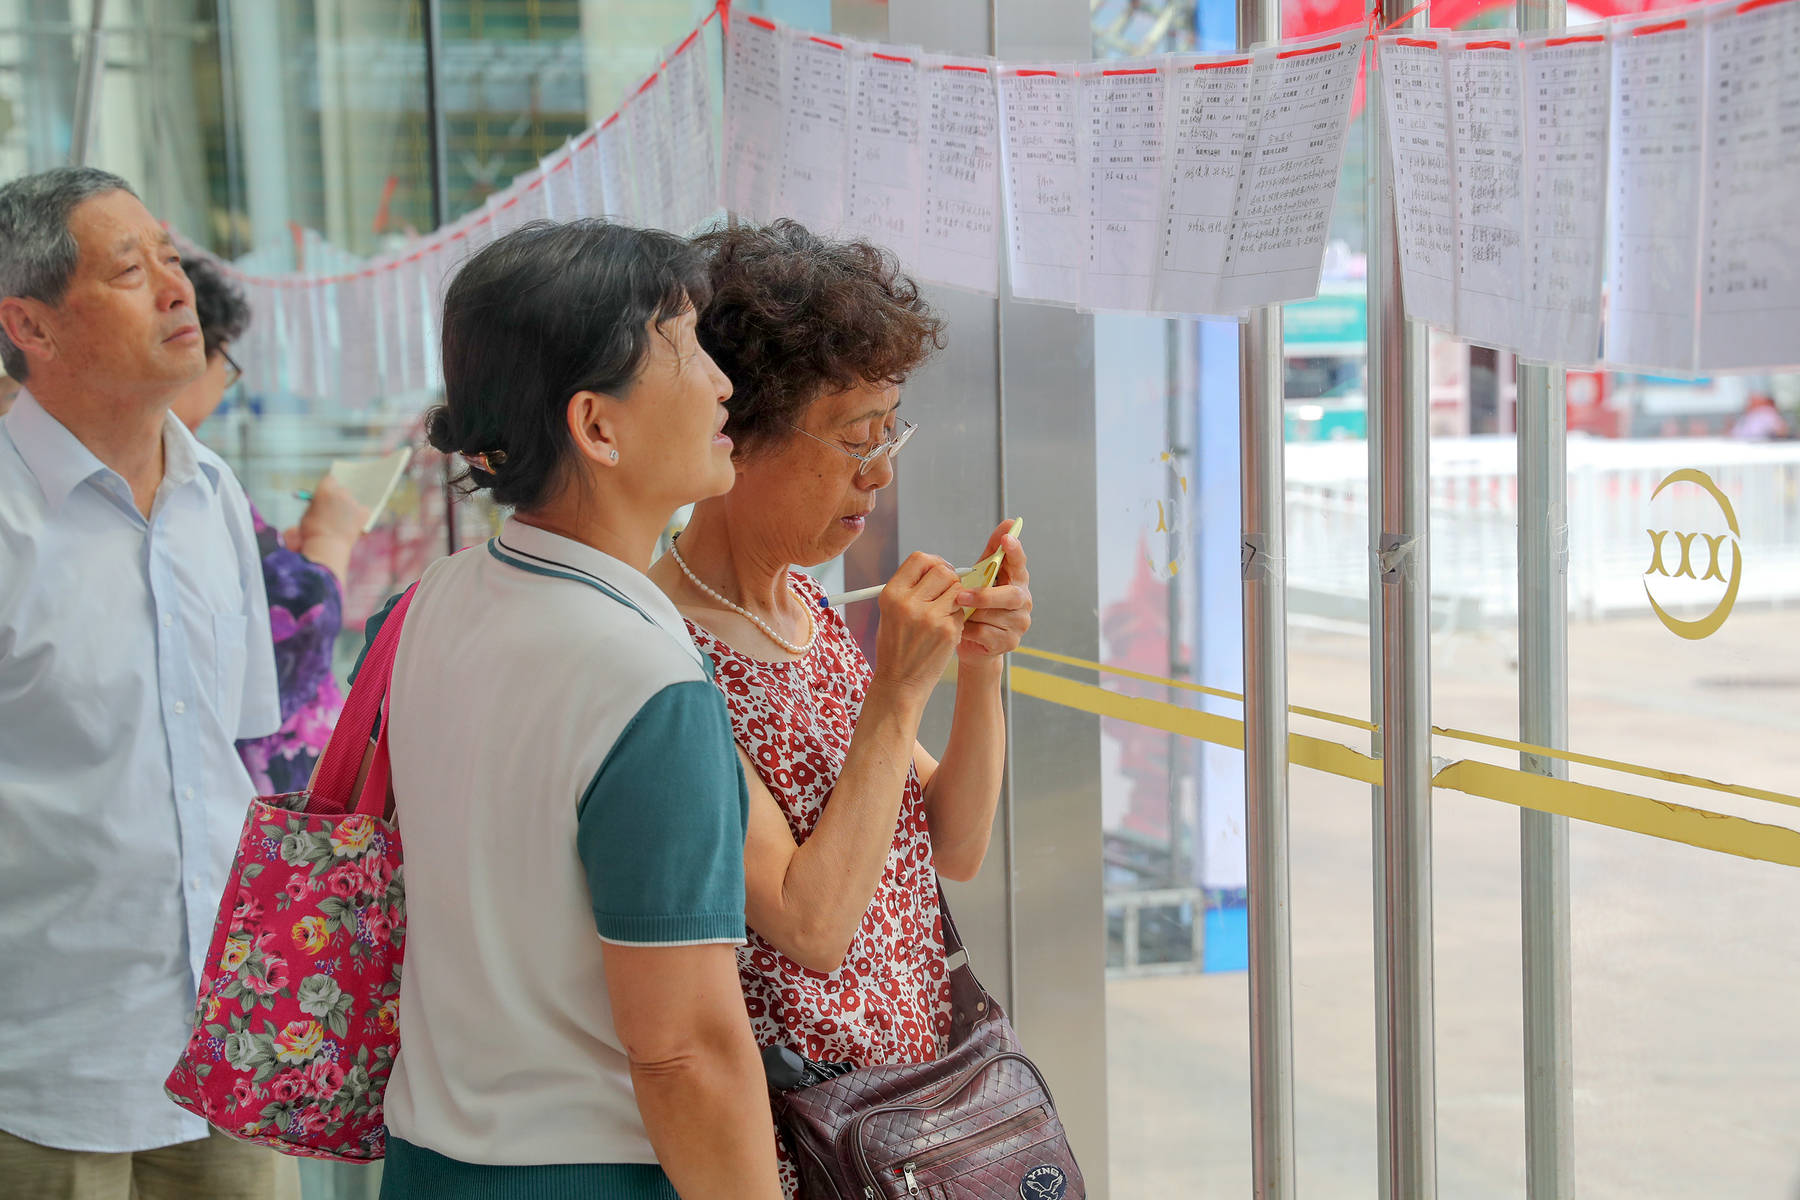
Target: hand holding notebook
(370, 481)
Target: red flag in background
(1304, 18)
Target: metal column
(1400, 431)
(87, 88)
(1266, 721)
(257, 33)
(1035, 917)
(431, 15)
(1377, 184)
(1544, 721)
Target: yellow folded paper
(983, 573)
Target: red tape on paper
(1310, 50)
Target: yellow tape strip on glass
(1461, 735)
(1613, 764)
(1221, 693)
(1320, 754)
(1584, 802)
(1623, 810)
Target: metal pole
(1542, 421)
(1174, 343)
(1377, 183)
(431, 13)
(87, 87)
(1004, 496)
(1266, 756)
(1266, 721)
(1399, 397)
(238, 238)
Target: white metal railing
(1474, 514)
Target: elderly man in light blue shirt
(134, 649)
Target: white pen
(869, 593)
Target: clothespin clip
(1372, 39)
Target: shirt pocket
(230, 632)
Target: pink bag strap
(338, 767)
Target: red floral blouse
(889, 1001)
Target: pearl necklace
(798, 651)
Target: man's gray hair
(37, 251)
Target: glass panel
(1171, 607)
(1480, 1014)
(1331, 880)
(326, 162)
(1170, 481)
(37, 92)
(1475, 856)
(156, 114)
(1332, 886)
(1684, 1043)
(1684, 536)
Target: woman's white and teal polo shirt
(562, 764)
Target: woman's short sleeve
(661, 827)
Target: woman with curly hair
(850, 819)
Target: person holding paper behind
(563, 776)
(304, 570)
(850, 818)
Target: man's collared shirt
(132, 653)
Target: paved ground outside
(1686, 982)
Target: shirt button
(168, 620)
(189, 793)
(180, 707)
(196, 883)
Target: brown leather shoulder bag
(976, 1124)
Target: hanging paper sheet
(1489, 131)
(1044, 179)
(815, 137)
(1281, 218)
(1416, 102)
(1208, 139)
(754, 75)
(1750, 247)
(960, 229)
(1122, 142)
(562, 198)
(693, 134)
(1654, 151)
(886, 166)
(650, 118)
(1567, 94)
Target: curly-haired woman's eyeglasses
(889, 446)
(233, 372)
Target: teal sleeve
(371, 627)
(661, 827)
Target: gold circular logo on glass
(1698, 556)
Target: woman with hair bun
(563, 771)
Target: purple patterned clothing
(306, 610)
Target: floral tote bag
(295, 1026)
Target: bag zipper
(862, 1159)
(951, 1149)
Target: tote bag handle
(336, 779)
